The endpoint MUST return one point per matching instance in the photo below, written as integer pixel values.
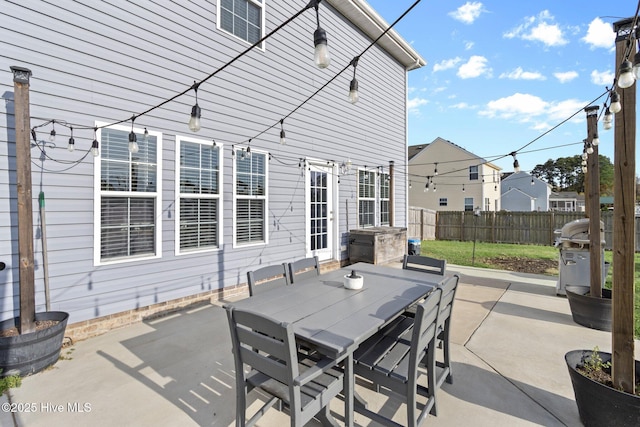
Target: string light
(283, 139)
(52, 135)
(516, 164)
(353, 87)
(194, 120)
(248, 155)
(72, 142)
(615, 105)
(95, 150)
(626, 77)
(607, 121)
(133, 139)
(435, 169)
(321, 53)
(595, 140)
(146, 136)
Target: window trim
(473, 173)
(98, 193)
(384, 177)
(373, 199)
(260, 3)
(220, 197)
(237, 150)
(443, 201)
(472, 204)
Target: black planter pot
(598, 404)
(30, 353)
(592, 312)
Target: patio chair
(391, 359)
(306, 386)
(268, 277)
(424, 263)
(303, 268)
(449, 288)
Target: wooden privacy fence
(536, 228)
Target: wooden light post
(25, 210)
(593, 205)
(623, 366)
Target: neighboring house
(521, 191)
(567, 201)
(188, 213)
(445, 177)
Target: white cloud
(414, 104)
(602, 78)
(539, 28)
(559, 111)
(518, 105)
(566, 76)
(475, 67)
(468, 45)
(468, 12)
(600, 34)
(446, 64)
(462, 106)
(520, 74)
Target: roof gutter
(367, 19)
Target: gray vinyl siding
(102, 62)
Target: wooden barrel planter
(592, 312)
(599, 404)
(30, 353)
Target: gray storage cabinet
(377, 245)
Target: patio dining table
(334, 320)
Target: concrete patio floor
(510, 333)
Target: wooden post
(623, 366)
(391, 194)
(25, 209)
(593, 207)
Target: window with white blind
(198, 186)
(384, 199)
(127, 200)
(242, 18)
(366, 198)
(250, 197)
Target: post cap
(20, 74)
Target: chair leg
(447, 353)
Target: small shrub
(11, 381)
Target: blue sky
(500, 73)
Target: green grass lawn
(462, 253)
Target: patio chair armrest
(319, 368)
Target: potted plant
(31, 341)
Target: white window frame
(466, 199)
(444, 201)
(373, 201)
(474, 170)
(384, 182)
(98, 193)
(236, 155)
(219, 238)
(259, 3)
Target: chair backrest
(449, 288)
(268, 277)
(265, 344)
(424, 263)
(425, 328)
(303, 268)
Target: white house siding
(102, 62)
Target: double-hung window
(127, 202)
(384, 199)
(250, 197)
(366, 198)
(198, 186)
(468, 204)
(242, 18)
(473, 173)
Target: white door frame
(331, 251)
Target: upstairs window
(473, 173)
(242, 18)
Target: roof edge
(362, 15)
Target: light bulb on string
(194, 120)
(248, 155)
(595, 141)
(72, 142)
(607, 120)
(636, 65)
(626, 77)
(516, 164)
(133, 139)
(615, 105)
(146, 136)
(589, 148)
(95, 150)
(52, 134)
(353, 86)
(435, 169)
(584, 169)
(283, 139)
(321, 52)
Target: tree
(565, 174)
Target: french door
(320, 211)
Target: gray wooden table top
(335, 319)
